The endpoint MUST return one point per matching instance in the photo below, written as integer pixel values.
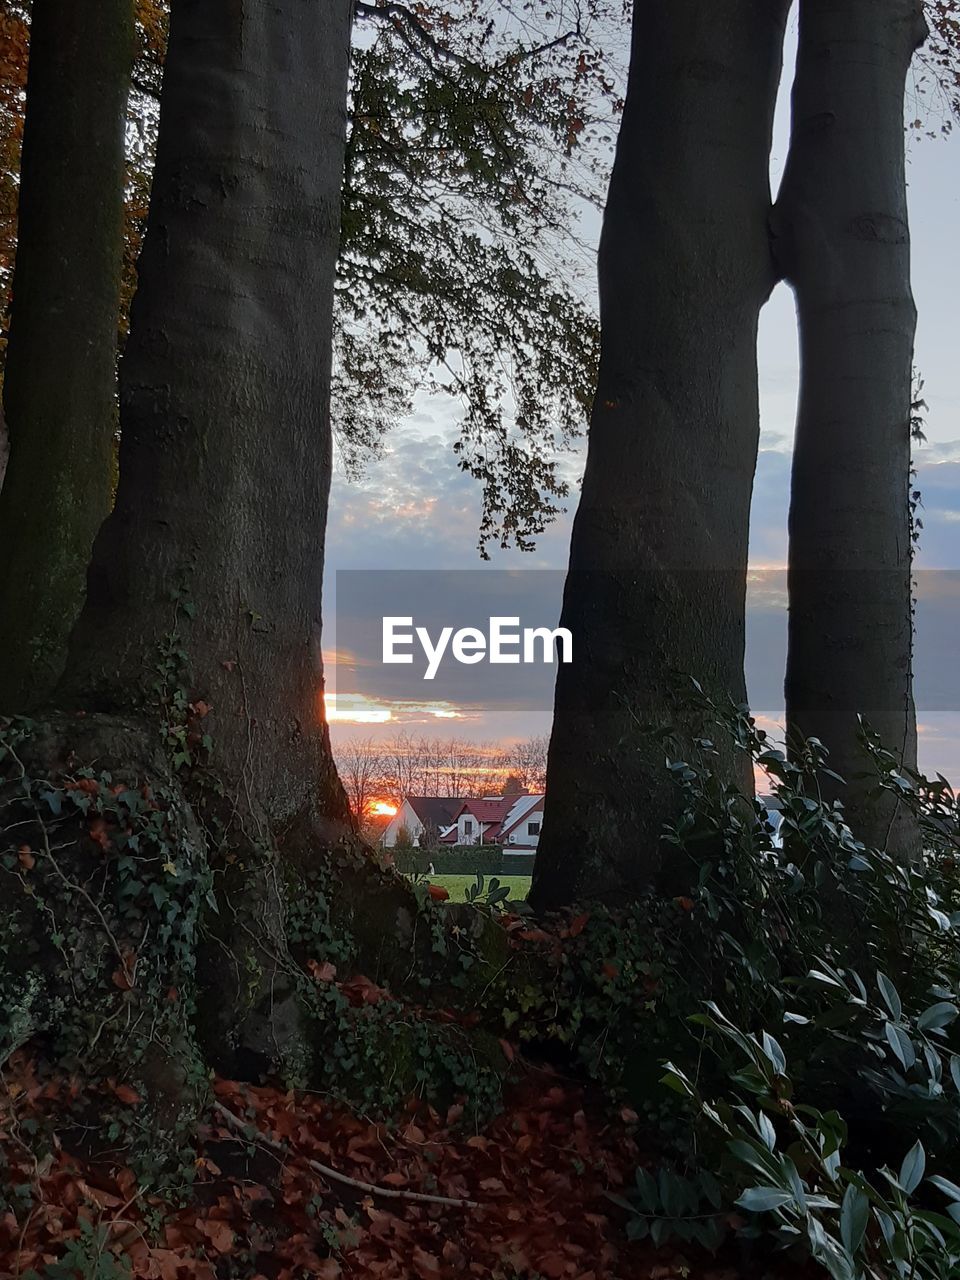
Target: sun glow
(356, 709)
(383, 808)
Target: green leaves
(762, 1199)
(854, 1216)
(674, 1206)
(886, 1035)
(901, 1044)
(911, 1171)
(890, 996)
(830, 1205)
(937, 1016)
(460, 255)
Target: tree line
(373, 769)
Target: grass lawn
(456, 886)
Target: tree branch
(398, 13)
(389, 1193)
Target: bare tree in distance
(528, 761)
(361, 768)
(408, 765)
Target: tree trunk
(168, 903)
(841, 237)
(659, 552)
(4, 447)
(203, 598)
(60, 380)
(205, 582)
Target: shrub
(451, 860)
(839, 960)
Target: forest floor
(294, 1186)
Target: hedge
(463, 860)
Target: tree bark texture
(215, 548)
(659, 551)
(841, 238)
(60, 380)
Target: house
(774, 817)
(513, 821)
(417, 814)
(521, 829)
(478, 821)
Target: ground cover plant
(710, 1069)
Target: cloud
(935, 452)
(416, 509)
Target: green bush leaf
(763, 1199)
(854, 1216)
(911, 1171)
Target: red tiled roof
(489, 812)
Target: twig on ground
(389, 1193)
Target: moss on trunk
(141, 946)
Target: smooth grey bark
(658, 558)
(841, 238)
(59, 387)
(215, 546)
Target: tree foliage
(477, 136)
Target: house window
(533, 828)
(468, 826)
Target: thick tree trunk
(169, 905)
(658, 559)
(203, 598)
(60, 380)
(4, 447)
(841, 238)
(215, 547)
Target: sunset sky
(415, 509)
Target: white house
(513, 821)
(416, 814)
(521, 827)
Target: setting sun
(354, 708)
(383, 808)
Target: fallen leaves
(124, 1093)
(577, 925)
(540, 1175)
